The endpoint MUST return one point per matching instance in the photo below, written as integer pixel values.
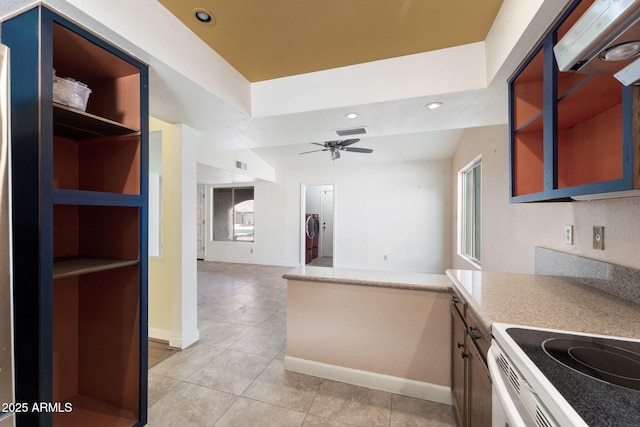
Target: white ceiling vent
(352, 131)
(241, 165)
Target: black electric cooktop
(599, 377)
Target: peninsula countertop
(386, 279)
(545, 301)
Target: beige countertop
(547, 302)
(386, 279)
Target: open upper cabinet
(79, 177)
(570, 134)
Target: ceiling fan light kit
(334, 147)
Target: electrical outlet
(598, 237)
(568, 234)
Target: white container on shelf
(68, 91)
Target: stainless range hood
(605, 40)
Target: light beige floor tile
(247, 316)
(159, 386)
(190, 405)
(313, 421)
(183, 364)
(223, 334)
(282, 388)
(411, 412)
(247, 412)
(268, 302)
(351, 404)
(282, 354)
(264, 342)
(277, 321)
(237, 300)
(232, 371)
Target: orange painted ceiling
(268, 39)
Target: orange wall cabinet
(571, 134)
(79, 227)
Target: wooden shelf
(91, 412)
(78, 266)
(78, 125)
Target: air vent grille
(241, 165)
(352, 131)
(511, 375)
(541, 418)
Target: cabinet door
(458, 364)
(479, 409)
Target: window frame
(470, 212)
(212, 236)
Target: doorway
(318, 225)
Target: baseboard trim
(186, 340)
(160, 335)
(406, 387)
(175, 342)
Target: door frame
(303, 203)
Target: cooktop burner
(598, 376)
(597, 360)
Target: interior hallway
(234, 376)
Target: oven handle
(501, 390)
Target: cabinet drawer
(478, 334)
(459, 303)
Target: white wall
(173, 275)
(402, 210)
(510, 232)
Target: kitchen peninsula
(385, 330)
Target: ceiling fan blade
(313, 151)
(348, 142)
(358, 150)
(317, 143)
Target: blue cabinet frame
(551, 190)
(30, 38)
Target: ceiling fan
(334, 147)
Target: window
(470, 212)
(233, 214)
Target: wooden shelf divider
(75, 124)
(78, 266)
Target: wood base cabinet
(470, 381)
(79, 188)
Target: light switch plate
(598, 237)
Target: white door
(200, 233)
(326, 225)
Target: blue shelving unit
(79, 195)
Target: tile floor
(234, 375)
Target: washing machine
(309, 236)
(316, 235)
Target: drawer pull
(454, 299)
(471, 333)
(460, 345)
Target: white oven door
(507, 410)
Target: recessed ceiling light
(204, 16)
(433, 105)
(352, 115)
